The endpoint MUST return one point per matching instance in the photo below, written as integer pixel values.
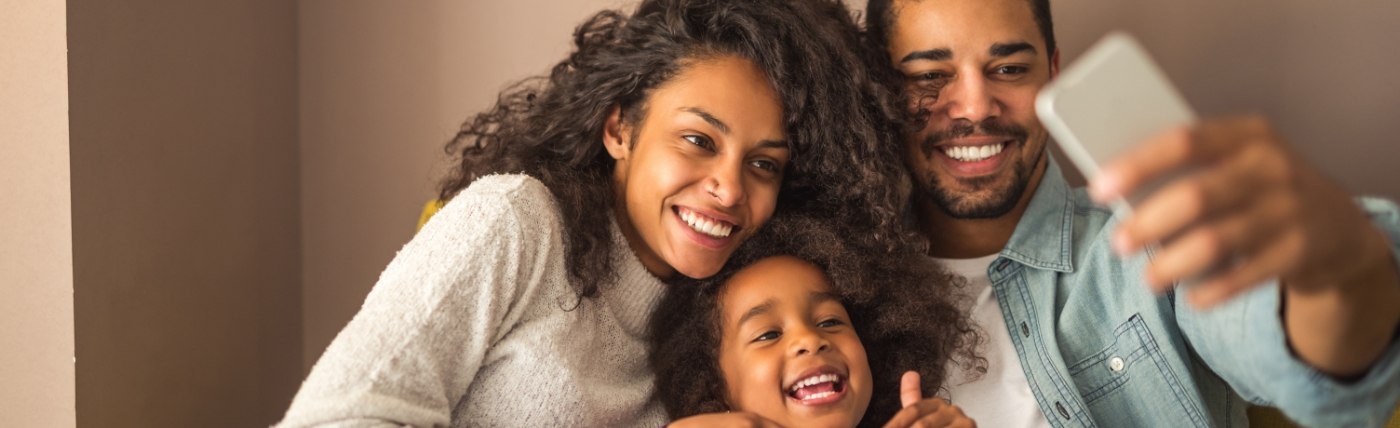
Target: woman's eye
(830, 323)
(700, 140)
(765, 165)
(768, 335)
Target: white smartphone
(1111, 99)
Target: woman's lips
(701, 235)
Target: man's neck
(955, 238)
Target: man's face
(974, 67)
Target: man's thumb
(909, 392)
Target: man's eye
(830, 323)
(700, 140)
(1011, 69)
(768, 335)
(929, 76)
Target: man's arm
(1258, 209)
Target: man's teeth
(813, 381)
(706, 226)
(974, 153)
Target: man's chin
(979, 204)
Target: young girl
(803, 329)
(662, 142)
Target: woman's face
(788, 350)
(703, 171)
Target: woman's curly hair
(906, 309)
(837, 118)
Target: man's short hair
(879, 20)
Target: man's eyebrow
(940, 54)
(761, 309)
(1002, 50)
(714, 121)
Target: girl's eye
(833, 322)
(768, 335)
(700, 140)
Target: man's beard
(963, 205)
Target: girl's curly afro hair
(905, 308)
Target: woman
(665, 139)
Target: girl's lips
(819, 387)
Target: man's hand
(925, 413)
(1254, 211)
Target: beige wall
(1322, 71)
(36, 251)
(383, 87)
(185, 211)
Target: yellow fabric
(1269, 417)
(429, 209)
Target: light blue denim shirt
(1099, 349)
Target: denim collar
(1044, 238)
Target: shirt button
(1002, 264)
(1061, 409)
(1116, 364)
(1025, 331)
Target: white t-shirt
(1002, 397)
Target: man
(1301, 306)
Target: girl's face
(702, 174)
(787, 348)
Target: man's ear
(1055, 63)
(613, 130)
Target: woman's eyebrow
(714, 121)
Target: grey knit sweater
(473, 324)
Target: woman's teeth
(973, 153)
(699, 223)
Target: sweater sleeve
(456, 288)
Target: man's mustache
(965, 128)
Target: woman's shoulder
(515, 198)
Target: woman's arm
(413, 350)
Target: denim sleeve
(1244, 342)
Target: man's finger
(1166, 213)
(1171, 150)
(1214, 244)
(910, 391)
(1273, 259)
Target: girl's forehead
(771, 283)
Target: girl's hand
(735, 420)
(925, 413)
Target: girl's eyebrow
(761, 309)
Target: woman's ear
(612, 135)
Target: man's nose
(970, 98)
